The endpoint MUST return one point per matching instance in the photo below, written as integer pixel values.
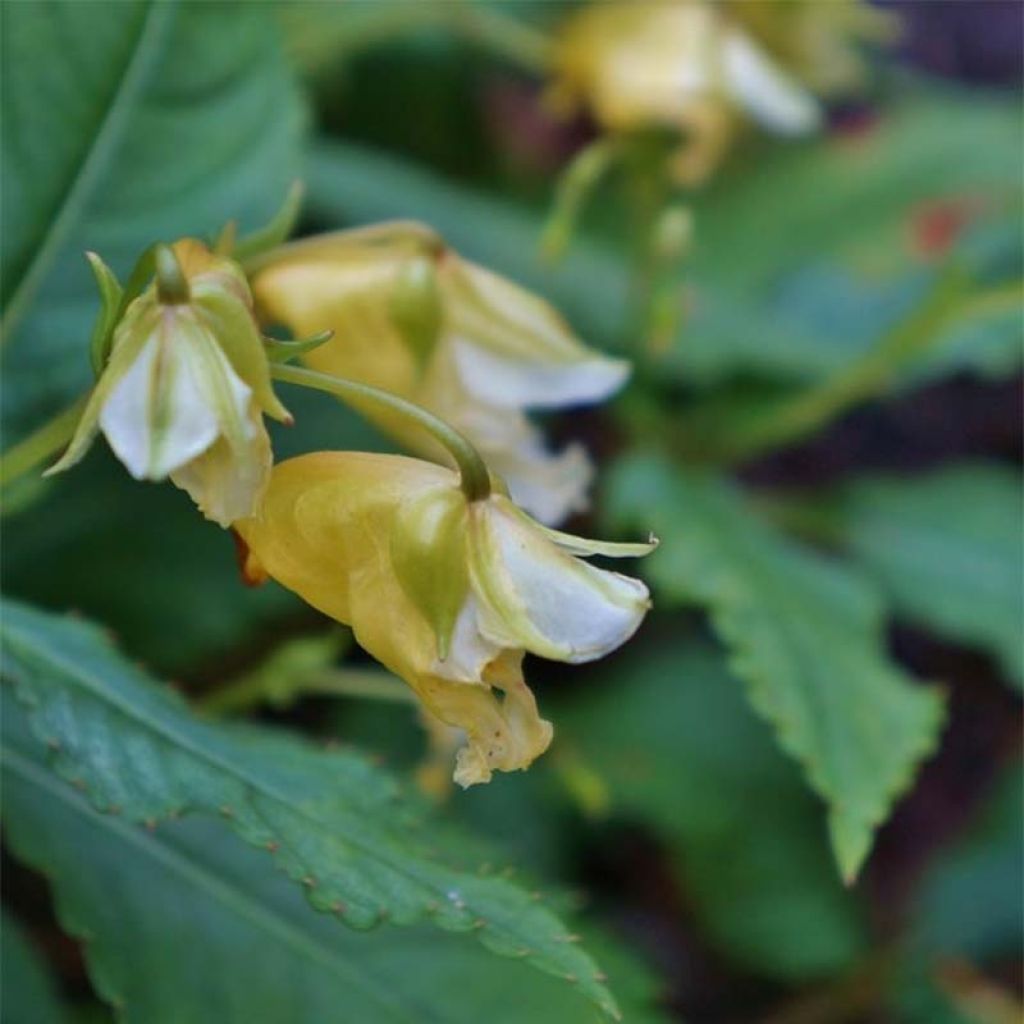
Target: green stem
(474, 478)
(727, 439)
(251, 691)
(510, 38)
(49, 439)
(574, 188)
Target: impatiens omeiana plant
(442, 576)
(410, 315)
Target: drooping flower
(185, 389)
(416, 319)
(682, 66)
(446, 593)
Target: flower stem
(24, 456)
(474, 477)
(251, 691)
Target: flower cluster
(442, 575)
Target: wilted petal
(226, 481)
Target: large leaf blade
(192, 118)
(330, 820)
(265, 957)
(804, 635)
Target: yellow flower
(475, 349)
(682, 66)
(184, 391)
(448, 594)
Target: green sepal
(106, 319)
(416, 307)
(279, 351)
(428, 552)
(226, 240)
(276, 230)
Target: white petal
(158, 375)
(522, 382)
(550, 486)
(470, 652)
(763, 90)
(535, 596)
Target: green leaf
(805, 635)
(966, 914)
(970, 898)
(330, 820)
(29, 993)
(667, 732)
(947, 549)
(123, 127)
(829, 272)
(264, 956)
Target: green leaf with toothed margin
(947, 548)
(264, 958)
(804, 634)
(331, 820)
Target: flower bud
(456, 339)
(185, 386)
(447, 594)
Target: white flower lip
(520, 382)
(764, 91)
(157, 386)
(535, 595)
(163, 412)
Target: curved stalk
(473, 475)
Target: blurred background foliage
(827, 441)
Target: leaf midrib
(82, 184)
(100, 693)
(235, 899)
